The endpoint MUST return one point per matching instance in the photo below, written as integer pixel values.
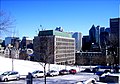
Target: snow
(24, 66)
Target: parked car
(87, 70)
(9, 75)
(63, 72)
(99, 73)
(53, 73)
(37, 74)
(72, 71)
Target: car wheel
(5, 79)
(17, 78)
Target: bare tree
(6, 23)
(43, 48)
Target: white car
(53, 73)
(37, 73)
(9, 75)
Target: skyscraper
(115, 37)
(115, 27)
(78, 40)
(94, 34)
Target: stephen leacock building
(54, 47)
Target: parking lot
(61, 79)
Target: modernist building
(57, 47)
(115, 26)
(86, 43)
(104, 36)
(94, 34)
(78, 40)
(115, 33)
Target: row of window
(64, 47)
(64, 55)
(63, 63)
(65, 40)
(91, 54)
(65, 43)
(64, 59)
(64, 51)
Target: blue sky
(71, 15)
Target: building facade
(14, 41)
(90, 58)
(78, 40)
(94, 34)
(115, 26)
(25, 42)
(57, 47)
(115, 38)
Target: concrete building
(57, 47)
(78, 40)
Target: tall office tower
(94, 34)
(115, 37)
(78, 40)
(86, 43)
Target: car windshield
(52, 71)
(35, 72)
(5, 73)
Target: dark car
(99, 73)
(72, 71)
(63, 72)
(86, 70)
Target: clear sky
(71, 15)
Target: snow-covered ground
(24, 66)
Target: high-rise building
(58, 47)
(78, 40)
(97, 35)
(115, 34)
(115, 26)
(94, 34)
(86, 44)
(104, 36)
(94, 38)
